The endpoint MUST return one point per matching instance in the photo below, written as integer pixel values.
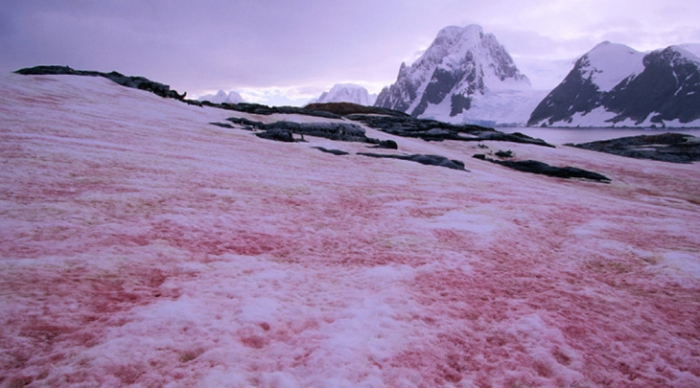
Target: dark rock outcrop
(430, 160)
(667, 147)
(333, 151)
(222, 125)
(128, 81)
(277, 134)
(346, 108)
(432, 130)
(536, 167)
(329, 130)
(265, 110)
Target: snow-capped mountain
(353, 93)
(221, 96)
(464, 76)
(615, 85)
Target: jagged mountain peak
(461, 64)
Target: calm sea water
(560, 136)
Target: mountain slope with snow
(464, 76)
(351, 93)
(140, 245)
(221, 97)
(614, 85)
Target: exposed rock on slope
(614, 85)
(432, 130)
(284, 131)
(345, 108)
(429, 160)
(537, 167)
(668, 147)
(131, 82)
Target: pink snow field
(142, 246)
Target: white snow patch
(611, 63)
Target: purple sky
(286, 52)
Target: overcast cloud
(290, 51)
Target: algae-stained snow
(142, 246)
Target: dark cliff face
(667, 89)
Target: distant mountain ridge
(615, 85)
(351, 93)
(221, 97)
(461, 78)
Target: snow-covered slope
(464, 76)
(352, 93)
(142, 246)
(221, 96)
(614, 85)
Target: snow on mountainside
(143, 246)
(614, 85)
(464, 76)
(352, 93)
(221, 96)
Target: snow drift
(142, 246)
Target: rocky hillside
(614, 85)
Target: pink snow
(141, 246)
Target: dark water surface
(558, 136)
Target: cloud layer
(262, 46)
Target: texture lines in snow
(142, 246)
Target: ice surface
(142, 246)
